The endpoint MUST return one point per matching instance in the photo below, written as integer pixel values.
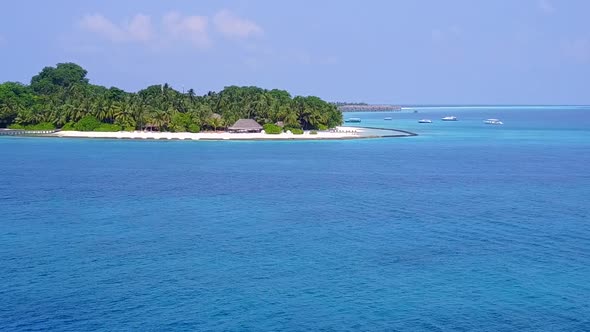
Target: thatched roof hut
(215, 116)
(245, 126)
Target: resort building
(245, 126)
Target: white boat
(449, 118)
(493, 122)
(354, 120)
(424, 121)
(387, 118)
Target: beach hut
(245, 126)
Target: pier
(369, 108)
(23, 132)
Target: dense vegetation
(62, 97)
(273, 129)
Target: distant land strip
(369, 108)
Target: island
(60, 101)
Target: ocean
(466, 227)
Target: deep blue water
(465, 227)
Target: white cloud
(171, 28)
(192, 28)
(545, 6)
(138, 29)
(233, 26)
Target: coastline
(338, 133)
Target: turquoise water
(465, 227)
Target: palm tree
(124, 115)
(111, 109)
(99, 110)
(140, 112)
(215, 122)
(191, 95)
(159, 118)
(59, 116)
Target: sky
(375, 51)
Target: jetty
(23, 132)
(369, 108)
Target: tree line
(62, 97)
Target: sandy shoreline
(338, 133)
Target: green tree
(64, 75)
(87, 123)
(215, 123)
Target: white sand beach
(336, 133)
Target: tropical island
(62, 98)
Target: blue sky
(420, 51)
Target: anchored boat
(449, 118)
(353, 120)
(493, 122)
